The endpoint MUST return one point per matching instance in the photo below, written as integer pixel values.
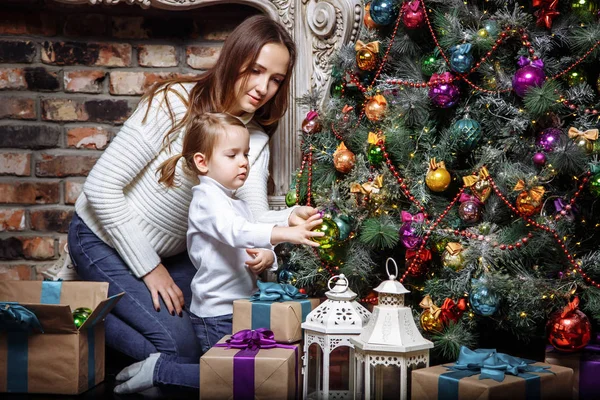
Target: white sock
(138, 376)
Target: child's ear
(201, 163)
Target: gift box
(586, 368)
(484, 375)
(41, 349)
(277, 307)
(250, 365)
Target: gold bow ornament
(430, 317)
(584, 139)
(479, 185)
(368, 187)
(529, 201)
(374, 138)
(366, 55)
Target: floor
(115, 361)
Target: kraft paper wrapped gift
(63, 359)
(250, 365)
(586, 368)
(443, 383)
(278, 307)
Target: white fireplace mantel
(319, 28)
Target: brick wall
(69, 76)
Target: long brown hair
(201, 136)
(213, 90)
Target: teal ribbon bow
(15, 317)
(493, 365)
(271, 291)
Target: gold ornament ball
(366, 59)
(585, 145)
(482, 33)
(331, 231)
(343, 160)
(527, 205)
(430, 323)
(438, 179)
(375, 109)
(453, 261)
(311, 126)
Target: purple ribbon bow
(467, 197)
(408, 217)
(523, 61)
(250, 342)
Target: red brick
(202, 57)
(218, 29)
(79, 53)
(31, 23)
(88, 137)
(41, 79)
(79, 25)
(64, 165)
(19, 272)
(129, 28)
(52, 220)
(12, 220)
(17, 51)
(114, 55)
(17, 108)
(85, 81)
(157, 56)
(38, 248)
(72, 191)
(18, 164)
(114, 111)
(63, 110)
(29, 192)
(12, 78)
(30, 136)
(126, 83)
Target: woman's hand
(159, 282)
(301, 214)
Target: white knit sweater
(124, 205)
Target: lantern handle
(340, 276)
(387, 262)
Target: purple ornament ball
(539, 159)
(548, 139)
(408, 237)
(526, 77)
(444, 95)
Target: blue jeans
(134, 327)
(210, 330)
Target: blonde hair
(215, 90)
(200, 137)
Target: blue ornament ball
(483, 300)
(491, 27)
(467, 133)
(285, 276)
(382, 12)
(344, 224)
(461, 59)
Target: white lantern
(329, 326)
(390, 342)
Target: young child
(226, 246)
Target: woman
(130, 231)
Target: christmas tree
(460, 138)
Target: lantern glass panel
(385, 381)
(339, 369)
(315, 373)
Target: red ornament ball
(569, 331)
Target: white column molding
(319, 28)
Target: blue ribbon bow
(15, 317)
(271, 291)
(493, 365)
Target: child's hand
(299, 234)
(301, 214)
(261, 260)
